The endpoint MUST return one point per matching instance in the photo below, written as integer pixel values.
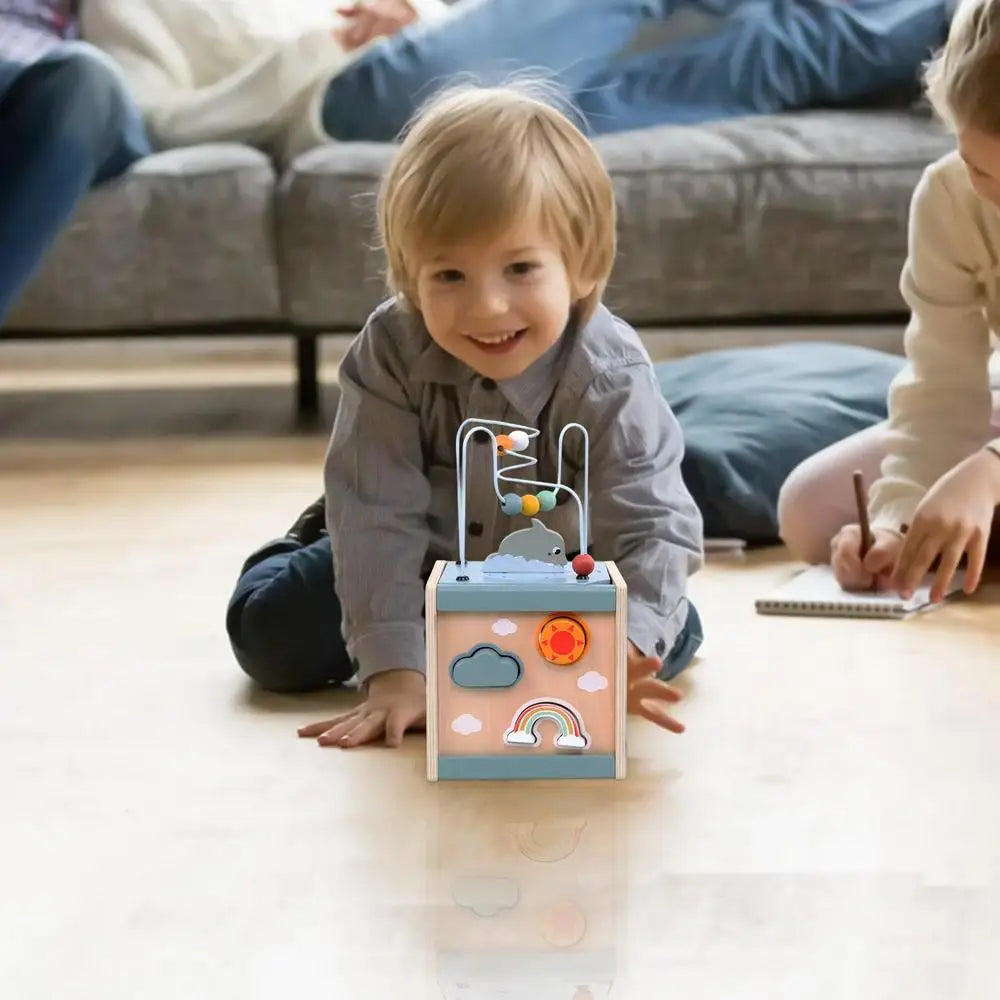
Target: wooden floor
(828, 827)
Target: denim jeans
(628, 64)
(67, 123)
(283, 621)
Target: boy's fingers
(343, 725)
(395, 727)
(318, 728)
(659, 716)
(642, 666)
(653, 687)
(366, 729)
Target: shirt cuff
(651, 632)
(896, 515)
(397, 646)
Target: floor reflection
(525, 889)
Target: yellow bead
(530, 505)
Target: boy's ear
(584, 289)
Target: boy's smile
(497, 305)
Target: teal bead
(511, 505)
(547, 500)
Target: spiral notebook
(816, 593)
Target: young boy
(937, 462)
(498, 220)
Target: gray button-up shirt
(390, 476)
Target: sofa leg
(307, 365)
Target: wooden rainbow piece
(523, 731)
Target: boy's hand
(396, 702)
(876, 570)
(646, 692)
(952, 521)
(370, 19)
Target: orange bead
(504, 443)
(530, 505)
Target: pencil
(862, 502)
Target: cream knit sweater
(251, 71)
(940, 404)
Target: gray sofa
(797, 216)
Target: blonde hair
(475, 162)
(962, 81)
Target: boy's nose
(486, 303)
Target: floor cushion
(750, 416)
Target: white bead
(519, 439)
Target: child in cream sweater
(936, 463)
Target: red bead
(583, 564)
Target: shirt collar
(527, 393)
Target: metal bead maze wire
(526, 462)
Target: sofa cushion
(750, 416)
(186, 236)
(792, 215)
(796, 214)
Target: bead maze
(525, 648)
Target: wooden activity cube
(525, 673)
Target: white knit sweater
(940, 404)
(251, 71)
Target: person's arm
(377, 498)
(430, 10)
(253, 104)
(939, 405)
(641, 515)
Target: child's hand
(952, 521)
(371, 19)
(646, 692)
(396, 702)
(876, 570)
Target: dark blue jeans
(67, 123)
(284, 620)
(628, 64)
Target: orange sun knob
(562, 640)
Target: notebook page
(818, 586)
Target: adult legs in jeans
(777, 54)
(284, 621)
(817, 499)
(66, 124)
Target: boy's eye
(523, 267)
(448, 276)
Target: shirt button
(488, 383)
(661, 647)
(475, 528)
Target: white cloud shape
(466, 725)
(592, 681)
(504, 626)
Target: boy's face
(497, 306)
(981, 153)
